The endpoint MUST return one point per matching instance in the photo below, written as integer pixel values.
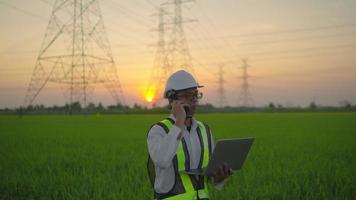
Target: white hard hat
(180, 80)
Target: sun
(149, 98)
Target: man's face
(190, 97)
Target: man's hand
(179, 112)
(221, 173)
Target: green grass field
(295, 156)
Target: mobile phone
(186, 109)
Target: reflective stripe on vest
(183, 165)
(205, 142)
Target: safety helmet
(178, 81)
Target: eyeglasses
(191, 96)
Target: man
(180, 144)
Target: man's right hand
(221, 173)
(179, 112)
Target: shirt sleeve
(162, 147)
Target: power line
(287, 31)
(227, 60)
(205, 47)
(205, 32)
(152, 4)
(46, 2)
(23, 11)
(129, 13)
(136, 39)
(352, 33)
(212, 25)
(313, 55)
(341, 46)
(301, 50)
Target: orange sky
(299, 51)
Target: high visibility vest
(186, 187)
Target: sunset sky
(299, 51)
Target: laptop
(230, 151)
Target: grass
(295, 156)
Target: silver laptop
(230, 151)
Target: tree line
(92, 108)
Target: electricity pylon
(179, 56)
(245, 98)
(221, 88)
(75, 53)
(161, 68)
(172, 49)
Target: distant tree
(137, 106)
(111, 107)
(100, 107)
(271, 105)
(19, 111)
(91, 107)
(119, 105)
(29, 108)
(345, 104)
(66, 108)
(75, 107)
(313, 105)
(207, 105)
(56, 108)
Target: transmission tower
(179, 56)
(172, 51)
(75, 53)
(245, 98)
(161, 67)
(221, 89)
